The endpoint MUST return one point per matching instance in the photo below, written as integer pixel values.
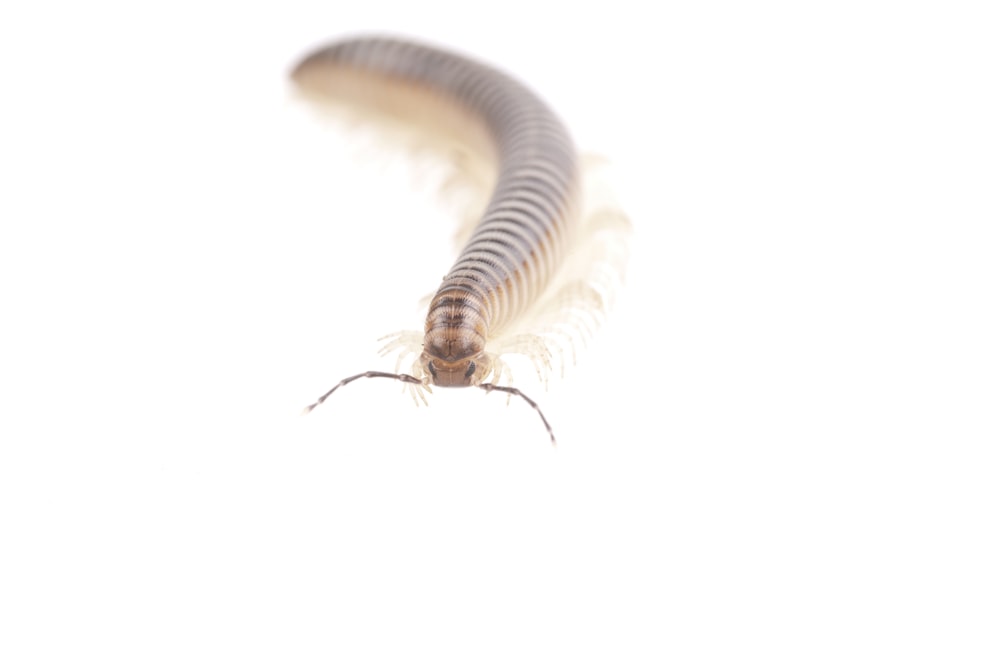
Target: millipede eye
(471, 370)
(430, 367)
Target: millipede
(538, 268)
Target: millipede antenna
(487, 387)
(403, 377)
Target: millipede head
(462, 373)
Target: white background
(781, 450)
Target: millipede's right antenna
(402, 377)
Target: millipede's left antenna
(487, 387)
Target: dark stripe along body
(520, 240)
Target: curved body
(522, 236)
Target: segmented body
(522, 236)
